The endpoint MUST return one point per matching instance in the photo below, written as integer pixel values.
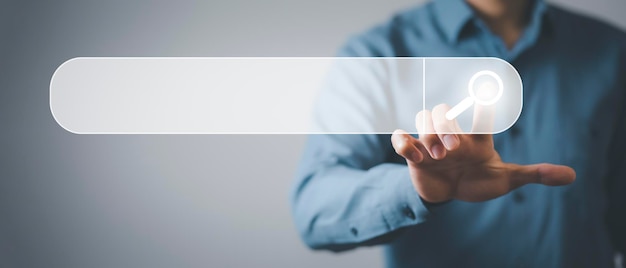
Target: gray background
(162, 201)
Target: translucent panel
(282, 95)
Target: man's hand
(446, 166)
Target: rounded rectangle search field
(237, 95)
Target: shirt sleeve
(352, 189)
(347, 196)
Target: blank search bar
(242, 95)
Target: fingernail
(438, 151)
(450, 141)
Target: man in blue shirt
(456, 200)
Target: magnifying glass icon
(482, 90)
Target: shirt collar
(453, 15)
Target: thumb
(546, 174)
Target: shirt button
(354, 231)
(408, 212)
(518, 197)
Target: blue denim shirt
(353, 190)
